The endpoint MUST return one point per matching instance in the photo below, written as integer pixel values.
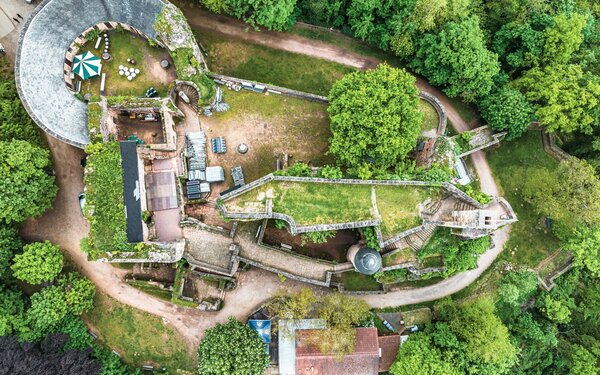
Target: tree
(9, 244)
(565, 98)
(40, 262)
(75, 328)
(486, 339)
(48, 309)
(584, 243)
(272, 14)
(26, 188)
(418, 356)
(564, 38)
(555, 309)
(570, 195)
(458, 59)
(516, 287)
(79, 293)
(579, 360)
(507, 110)
(292, 305)
(45, 358)
(12, 311)
(232, 348)
(375, 118)
(341, 313)
(330, 171)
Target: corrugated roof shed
(131, 191)
(363, 361)
(215, 174)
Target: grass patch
(433, 261)
(309, 203)
(398, 207)
(124, 45)
(430, 116)
(418, 316)
(530, 242)
(151, 289)
(140, 338)
(243, 59)
(404, 255)
(356, 282)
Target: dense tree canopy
(48, 309)
(566, 98)
(507, 110)
(232, 348)
(79, 293)
(39, 262)
(375, 119)
(12, 311)
(26, 188)
(272, 14)
(9, 244)
(458, 59)
(569, 195)
(418, 356)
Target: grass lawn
(324, 203)
(398, 207)
(242, 59)
(271, 125)
(529, 239)
(354, 281)
(418, 316)
(140, 338)
(404, 255)
(430, 116)
(124, 45)
(310, 203)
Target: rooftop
(131, 191)
(41, 54)
(363, 361)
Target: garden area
(104, 208)
(530, 241)
(271, 126)
(328, 203)
(125, 45)
(140, 338)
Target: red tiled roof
(363, 361)
(389, 350)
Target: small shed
(215, 174)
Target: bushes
(104, 206)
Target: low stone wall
(324, 283)
(164, 252)
(439, 108)
(551, 148)
(282, 90)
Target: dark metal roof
(367, 261)
(131, 191)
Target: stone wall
(439, 108)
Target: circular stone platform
(43, 43)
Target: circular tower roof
(242, 148)
(40, 60)
(367, 261)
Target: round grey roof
(43, 43)
(242, 148)
(367, 261)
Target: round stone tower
(365, 260)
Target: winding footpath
(65, 225)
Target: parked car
(81, 201)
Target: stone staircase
(417, 240)
(463, 206)
(192, 94)
(400, 244)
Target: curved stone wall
(40, 62)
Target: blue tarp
(263, 328)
